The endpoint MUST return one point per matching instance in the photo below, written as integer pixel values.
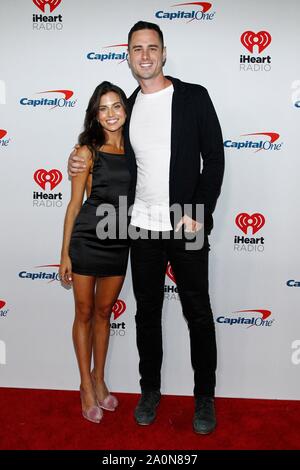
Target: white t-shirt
(150, 136)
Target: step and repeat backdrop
(54, 53)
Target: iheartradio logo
(245, 221)
(118, 308)
(51, 178)
(42, 177)
(262, 39)
(170, 273)
(41, 4)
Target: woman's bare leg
(107, 291)
(84, 295)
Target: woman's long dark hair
(93, 134)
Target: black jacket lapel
(176, 124)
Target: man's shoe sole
(144, 424)
(150, 422)
(204, 432)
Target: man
(170, 124)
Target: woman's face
(111, 114)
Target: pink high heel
(109, 403)
(93, 413)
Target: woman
(96, 266)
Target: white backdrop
(62, 55)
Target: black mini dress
(107, 255)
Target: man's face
(145, 54)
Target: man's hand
(190, 225)
(75, 164)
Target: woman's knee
(103, 311)
(84, 312)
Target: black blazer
(195, 131)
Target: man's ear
(164, 56)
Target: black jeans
(149, 261)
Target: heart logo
(119, 308)
(2, 133)
(41, 4)
(2, 303)
(41, 177)
(170, 273)
(255, 221)
(262, 39)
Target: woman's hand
(65, 270)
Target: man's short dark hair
(146, 25)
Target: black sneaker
(145, 411)
(204, 421)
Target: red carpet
(43, 419)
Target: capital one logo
(51, 101)
(118, 308)
(67, 93)
(52, 177)
(170, 273)
(254, 222)
(205, 5)
(262, 39)
(2, 353)
(120, 54)
(41, 4)
(2, 133)
(267, 145)
(42, 275)
(195, 14)
(259, 318)
(267, 141)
